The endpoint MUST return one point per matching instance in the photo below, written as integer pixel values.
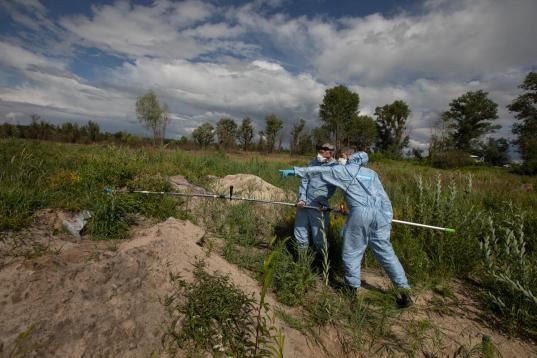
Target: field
(474, 290)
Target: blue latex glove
(287, 172)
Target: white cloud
(247, 87)
(137, 30)
(208, 61)
(466, 39)
(12, 116)
(21, 59)
(269, 66)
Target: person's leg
(301, 228)
(379, 241)
(354, 244)
(315, 218)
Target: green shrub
(527, 168)
(215, 316)
(293, 278)
(17, 204)
(451, 159)
(109, 218)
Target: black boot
(404, 300)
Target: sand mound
(249, 186)
(207, 212)
(180, 183)
(102, 299)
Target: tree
(33, 130)
(305, 144)
(525, 107)
(245, 133)
(470, 116)
(164, 121)
(417, 153)
(226, 130)
(339, 106)
(203, 135)
(298, 127)
(391, 127)
(362, 132)
(183, 140)
(440, 140)
(494, 151)
(70, 132)
(273, 127)
(150, 113)
(93, 131)
(261, 144)
(320, 135)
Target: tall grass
(510, 273)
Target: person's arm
(303, 187)
(336, 175)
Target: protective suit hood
(360, 158)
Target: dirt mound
(180, 183)
(249, 186)
(102, 299)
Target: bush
(215, 316)
(451, 159)
(527, 168)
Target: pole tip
(450, 231)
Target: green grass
(493, 211)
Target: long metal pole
(446, 229)
(262, 201)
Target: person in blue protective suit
(314, 191)
(369, 220)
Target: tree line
(69, 132)
(461, 130)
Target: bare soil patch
(102, 299)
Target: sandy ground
(454, 321)
(103, 300)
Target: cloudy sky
(76, 60)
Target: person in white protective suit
(369, 220)
(313, 191)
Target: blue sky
(75, 60)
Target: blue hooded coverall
(369, 220)
(314, 192)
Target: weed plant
(510, 274)
(293, 278)
(212, 315)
